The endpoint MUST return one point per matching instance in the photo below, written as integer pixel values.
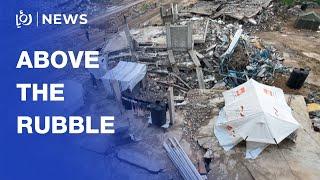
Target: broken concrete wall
(179, 37)
(169, 13)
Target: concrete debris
(316, 124)
(243, 56)
(202, 167)
(243, 9)
(310, 20)
(179, 37)
(313, 108)
(204, 8)
(193, 52)
(229, 53)
(169, 13)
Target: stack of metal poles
(181, 160)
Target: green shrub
(292, 2)
(288, 2)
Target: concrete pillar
(128, 35)
(171, 105)
(168, 36)
(175, 13)
(189, 37)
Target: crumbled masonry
(193, 51)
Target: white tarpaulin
(128, 74)
(256, 113)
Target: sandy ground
(301, 48)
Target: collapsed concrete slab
(309, 20)
(204, 8)
(244, 9)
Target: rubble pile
(254, 14)
(220, 58)
(199, 107)
(250, 57)
(313, 101)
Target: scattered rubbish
(181, 160)
(246, 57)
(258, 125)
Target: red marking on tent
(240, 91)
(267, 92)
(229, 128)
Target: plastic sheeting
(128, 74)
(256, 113)
(226, 139)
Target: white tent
(128, 74)
(256, 113)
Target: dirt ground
(301, 49)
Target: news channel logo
(26, 19)
(23, 19)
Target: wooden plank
(206, 62)
(171, 57)
(200, 78)
(194, 58)
(173, 62)
(171, 104)
(199, 55)
(205, 31)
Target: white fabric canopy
(128, 74)
(256, 113)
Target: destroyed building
(169, 77)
